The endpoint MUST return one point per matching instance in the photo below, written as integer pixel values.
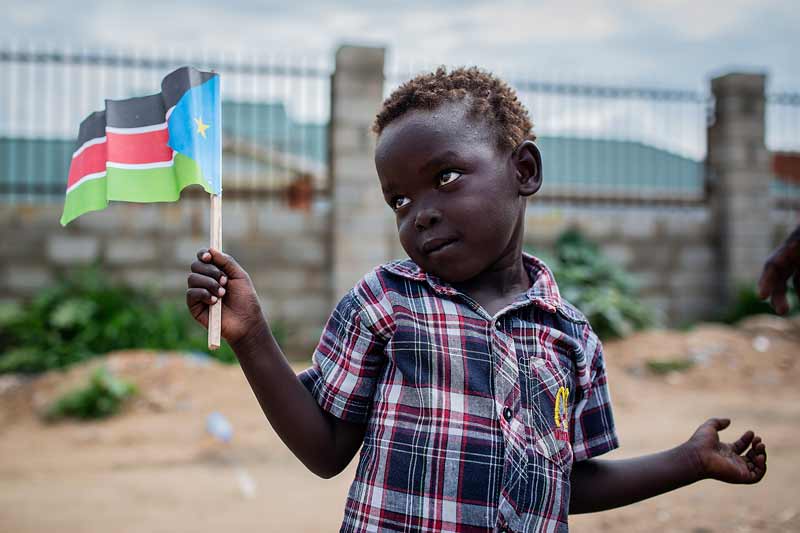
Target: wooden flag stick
(215, 312)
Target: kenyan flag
(148, 149)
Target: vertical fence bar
(28, 119)
(12, 166)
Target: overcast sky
(673, 43)
(656, 43)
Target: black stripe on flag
(176, 83)
(135, 112)
(92, 127)
(143, 110)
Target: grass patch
(101, 397)
(666, 366)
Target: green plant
(600, 288)
(102, 396)
(747, 303)
(85, 315)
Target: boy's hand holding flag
(147, 149)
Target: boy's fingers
(205, 282)
(761, 451)
(757, 460)
(778, 300)
(772, 283)
(766, 281)
(744, 441)
(203, 255)
(760, 465)
(207, 269)
(197, 295)
(719, 423)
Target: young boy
(478, 393)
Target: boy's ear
(528, 163)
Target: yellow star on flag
(201, 128)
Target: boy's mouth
(434, 245)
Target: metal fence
(616, 145)
(275, 115)
(600, 144)
(783, 140)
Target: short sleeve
(593, 422)
(346, 364)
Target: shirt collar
(543, 292)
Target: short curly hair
(488, 97)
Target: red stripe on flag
(90, 161)
(139, 148)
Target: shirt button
(508, 414)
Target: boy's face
(459, 200)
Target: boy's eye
(399, 201)
(448, 176)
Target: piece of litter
(761, 344)
(246, 483)
(218, 426)
(198, 359)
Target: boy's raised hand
(732, 463)
(216, 275)
(782, 265)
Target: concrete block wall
(362, 224)
(152, 246)
(741, 173)
(669, 252)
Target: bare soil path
(155, 468)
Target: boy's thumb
(719, 423)
(227, 264)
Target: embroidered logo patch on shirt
(561, 415)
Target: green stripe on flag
(88, 196)
(154, 184)
(161, 184)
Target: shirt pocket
(550, 407)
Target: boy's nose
(427, 218)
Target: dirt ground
(155, 467)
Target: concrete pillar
(740, 175)
(360, 218)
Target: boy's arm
(324, 443)
(598, 485)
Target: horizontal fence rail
(275, 116)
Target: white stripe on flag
(142, 166)
(129, 166)
(169, 112)
(134, 131)
(87, 177)
(87, 144)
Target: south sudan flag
(148, 149)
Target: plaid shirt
(473, 421)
